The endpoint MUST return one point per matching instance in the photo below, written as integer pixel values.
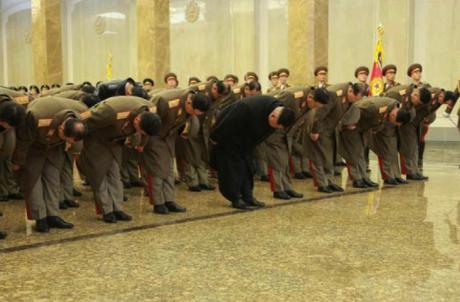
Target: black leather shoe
(194, 189)
(299, 176)
(370, 183)
(63, 205)
(401, 181)
(127, 185)
(160, 209)
(264, 178)
(391, 182)
(307, 174)
(76, 193)
(71, 203)
(368, 170)
(255, 203)
(41, 225)
(294, 194)
(4, 198)
(281, 195)
(16, 196)
(109, 218)
(120, 215)
(207, 187)
(423, 177)
(137, 183)
(240, 204)
(416, 177)
(335, 188)
(2, 235)
(174, 207)
(58, 223)
(125, 198)
(324, 190)
(359, 184)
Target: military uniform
(40, 153)
(284, 142)
(110, 123)
(159, 152)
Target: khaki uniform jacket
(159, 150)
(110, 123)
(37, 138)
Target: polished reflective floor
(392, 244)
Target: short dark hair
(254, 85)
(171, 75)
(90, 99)
(358, 88)
(287, 117)
(150, 123)
(402, 117)
(44, 86)
(71, 129)
(23, 88)
(451, 96)
(88, 89)
(86, 83)
(321, 95)
(200, 101)
(55, 85)
(34, 87)
(221, 87)
(11, 112)
(140, 92)
(148, 80)
(425, 95)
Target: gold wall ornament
(192, 12)
(99, 25)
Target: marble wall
(424, 31)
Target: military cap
(251, 74)
(193, 79)
(389, 67)
(414, 67)
(320, 68)
(271, 74)
(283, 70)
(212, 78)
(170, 75)
(361, 68)
(231, 76)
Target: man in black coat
(238, 130)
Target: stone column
(307, 38)
(46, 41)
(153, 42)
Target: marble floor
(391, 244)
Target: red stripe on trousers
(313, 173)
(403, 164)
(384, 176)
(271, 179)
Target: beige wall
(92, 30)
(424, 31)
(2, 80)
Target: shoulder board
(174, 103)
(22, 99)
(339, 92)
(123, 115)
(383, 109)
(402, 92)
(85, 115)
(237, 90)
(44, 122)
(153, 109)
(201, 87)
(298, 94)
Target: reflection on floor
(398, 244)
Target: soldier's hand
(351, 127)
(314, 136)
(140, 149)
(15, 167)
(213, 142)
